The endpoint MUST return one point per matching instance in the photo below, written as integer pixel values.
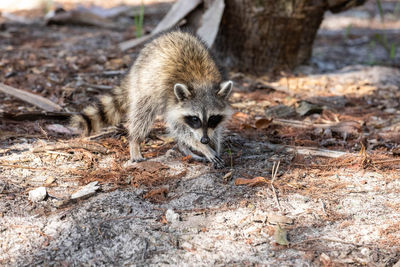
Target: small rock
(365, 251)
(38, 194)
(172, 216)
(86, 191)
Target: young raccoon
(174, 76)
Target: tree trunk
(260, 36)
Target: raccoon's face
(203, 111)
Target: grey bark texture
(264, 36)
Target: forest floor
(313, 166)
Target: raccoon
(174, 77)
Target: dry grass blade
(274, 171)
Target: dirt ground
(312, 156)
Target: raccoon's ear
(226, 89)
(181, 91)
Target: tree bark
(264, 36)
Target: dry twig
(312, 151)
(274, 171)
(89, 147)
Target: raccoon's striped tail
(107, 110)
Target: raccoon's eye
(214, 120)
(193, 121)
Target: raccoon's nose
(205, 140)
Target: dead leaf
(227, 177)
(263, 123)
(251, 182)
(325, 260)
(241, 115)
(280, 236)
(246, 126)
(157, 195)
(187, 158)
(163, 220)
(50, 180)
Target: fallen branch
(305, 124)
(210, 22)
(312, 151)
(30, 98)
(33, 116)
(178, 11)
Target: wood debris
(30, 98)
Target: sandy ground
(172, 211)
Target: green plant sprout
(139, 21)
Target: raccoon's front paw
(218, 163)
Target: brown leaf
(163, 220)
(157, 195)
(325, 260)
(240, 115)
(246, 126)
(251, 182)
(187, 158)
(263, 123)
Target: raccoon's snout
(205, 140)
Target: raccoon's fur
(176, 77)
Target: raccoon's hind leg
(140, 119)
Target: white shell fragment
(37, 194)
(85, 191)
(171, 216)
